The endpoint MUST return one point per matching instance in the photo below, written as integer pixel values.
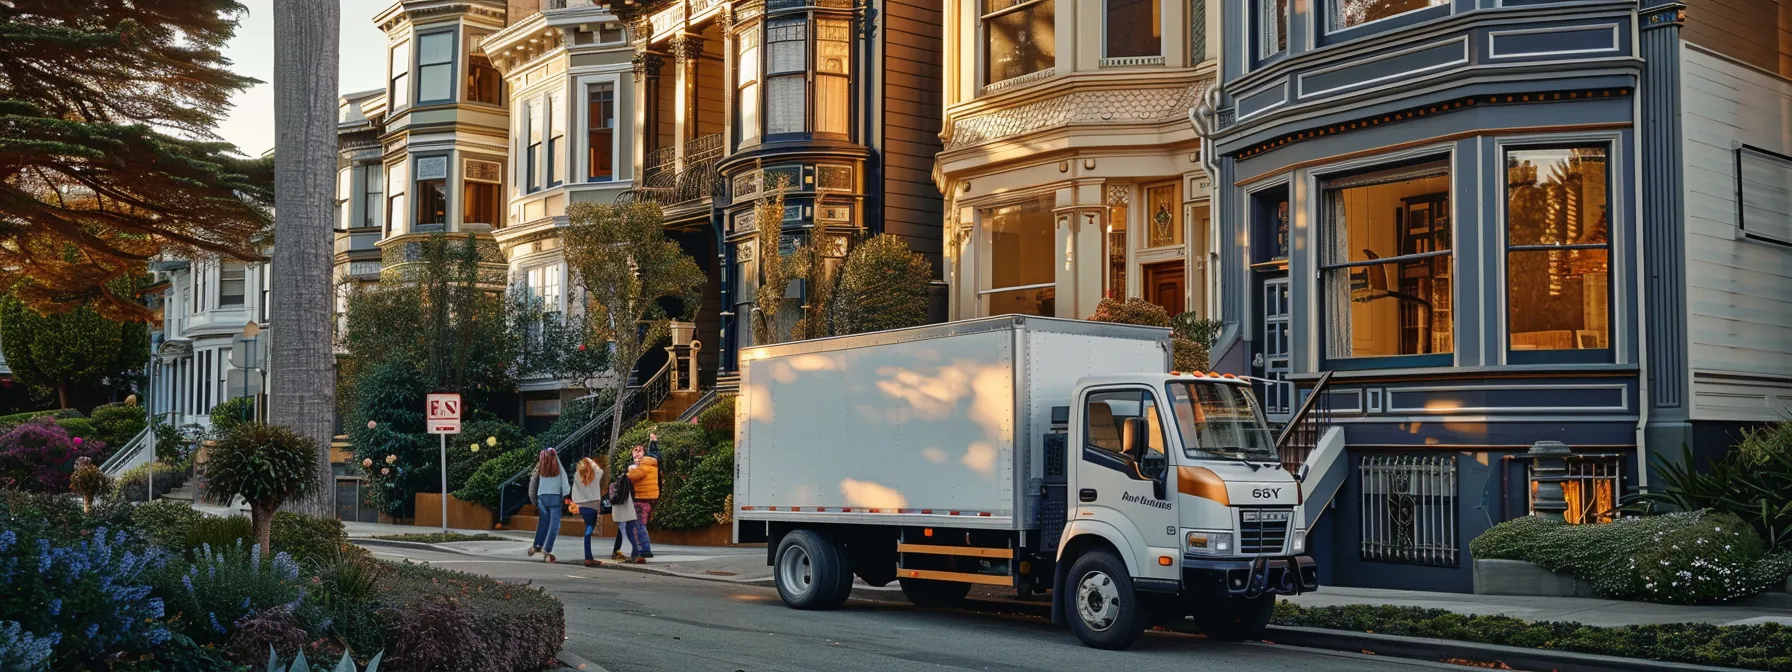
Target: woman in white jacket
(588, 494)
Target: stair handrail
(593, 437)
(117, 463)
(699, 406)
(1306, 426)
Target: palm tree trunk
(305, 106)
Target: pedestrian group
(628, 498)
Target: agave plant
(1757, 489)
(347, 664)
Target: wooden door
(1166, 285)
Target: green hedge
(482, 486)
(703, 494)
(683, 450)
(1756, 647)
(718, 419)
(1678, 558)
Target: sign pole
(444, 483)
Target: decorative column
(647, 75)
(687, 51)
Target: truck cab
(1176, 479)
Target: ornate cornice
(1092, 107)
(686, 47)
(647, 64)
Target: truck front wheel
(811, 572)
(1234, 619)
(1105, 612)
(932, 594)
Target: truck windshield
(1221, 421)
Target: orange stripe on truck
(1202, 482)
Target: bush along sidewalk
(1756, 647)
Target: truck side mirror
(1137, 439)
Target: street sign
(442, 413)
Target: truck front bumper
(1240, 576)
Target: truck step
(961, 577)
(966, 551)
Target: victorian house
(837, 101)
(1068, 159)
(1476, 225)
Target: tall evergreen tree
(65, 354)
(106, 147)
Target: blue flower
(215, 625)
(92, 629)
(156, 608)
(55, 606)
(187, 582)
(245, 602)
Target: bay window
(481, 193)
(1022, 277)
(747, 76)
(532, 140)
(556, 133)
(370, 196)
(1272, 27)
(1352, 13)
(232, 285)
(399, 67)
(1134, 28)
(1019, 38)
(544, 286)
(786, 68)
(600, 132)
(1558, 252)
(395, 201)
(833, 70)
(484, 83)
(435, 67)
(1385, 261)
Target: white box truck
(1033, 453)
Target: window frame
(474, 65)
(1122, 460)
(531, 139)
(586, 84)
(556, 138)
(986, 215)
(373, 190)
(1255, 20)
(1741, 150)
(398, 79)
(749, 116)
(1106, 15)
(416, 182)
(453, 65)
(1327, 35)
(1317, 185)
(468, 182)
(1603, 355)
(242, 280)
(805, 75)
(984, 62)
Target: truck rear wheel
(1234, 619)
(811, 572)
(934, 594)
(1104, 611)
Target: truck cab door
(1122, 474)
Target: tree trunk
(301, 357)
(62, 393)
(261, 520)
(616, 413)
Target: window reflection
(1558, 256)
(1386, 261)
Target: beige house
(1070, 167)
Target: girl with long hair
(548, 488)
(589, 497)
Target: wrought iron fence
(1409, 509)
(1302, 433)
(1593, 488)
(592, 439)
(670, 182)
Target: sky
(250, 125)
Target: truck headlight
(1201, 542)
(1297, 541)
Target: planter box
(461, 515)
(1517, 577)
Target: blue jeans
(547, 526)
(590, 514)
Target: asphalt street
(638, 622)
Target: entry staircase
(641, 402)
(1313, 449)
(140, 450)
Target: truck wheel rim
(1098, 601)
(794, 570)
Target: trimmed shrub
(118, 423)
(266, 465)
(133, 484)
(703, 495)
(1186, 354)
(165, 523)
(1685, 554)
(574, 415)
(83, 594)
(482, 486)
(883, 285)
(718, 419)
(1759, 647)
(78, 427)
(39, 456)
(88, 482)
(492, 438)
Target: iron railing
(593, 438)
(1302, 433)
(1594, 488)
(702, 404)
(670, 182)
(125, 458)
(1409, 509)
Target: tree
(107, 155)
(66, 354)
(302, 361)
(1185, 353)
(627, 266)
(774, 279)
(267, 466)
(814, 266)
(883, 285)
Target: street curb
(418, 545)
(574, 662)
(1424, 648)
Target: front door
(1278, 392)
(1117, 479)
(1166, 285)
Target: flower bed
(159, 587)
(1755, 647)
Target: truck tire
(1234, 619)
(811, 572)
(1103, 609)
(933, 594)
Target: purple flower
(187, 581)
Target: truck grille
(1263, 531)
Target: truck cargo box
(936, 425)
